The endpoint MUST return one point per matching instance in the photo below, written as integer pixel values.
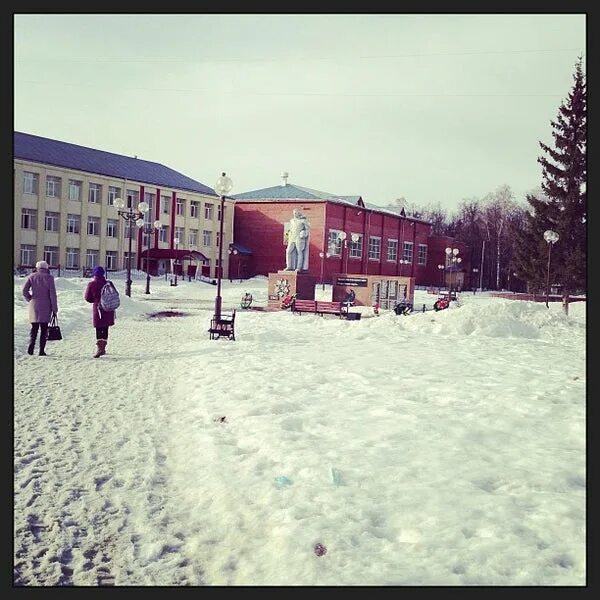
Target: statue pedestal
(285, 283)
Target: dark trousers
(35, 327)
(102, 333)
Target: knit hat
(41, 264)
(98, 271)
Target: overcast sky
(432, 107)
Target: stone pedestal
(283, 283)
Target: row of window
(355, 248)
(73, 225)
(73, 257)
(94, 196)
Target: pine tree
(564, 207)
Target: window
(73, 223)
(72, 258)
(133, 199)
(219, 212)
(193, 237)
(113, 194)
(165, 205)
(30, 184)
(218, 240)
(95, 193)
(51, 255)
(149, 218)
(180, 207)
(356, 247)
(93, 226)
(111, 260)
(179, 233)
(334, 242)
(407, 252)
(27, 254)
(208, 211)
(422, 256)
(149, 200)
(206, 238)
(53, 185)
(51, 222)
(28, 218)
(129, 229)
(194, 208)
(147, 238)
(374, 247)
(163, 234)
(126, 259)
(75, 190)
(392, 250)
(112, 228)
(91, 258)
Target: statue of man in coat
(296, 235)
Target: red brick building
(346, 236)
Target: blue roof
(71, 156)
(281, 192)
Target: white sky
(457, 439)
(432, 107)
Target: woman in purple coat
(40, 292)
(101, 319)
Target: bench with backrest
(330, 308)
(300, 306)
(223, 327)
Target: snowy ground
(434, 449)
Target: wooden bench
(300, 306)
(330, 308)
(319, 307)
(223, 327)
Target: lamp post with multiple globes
(130, 215)
(442, 268)
(453, 260)
(150, 230)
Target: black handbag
(54, 330)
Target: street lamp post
(130, 215)
(149, 230)
(176, 261)
(441, 268)
(234, 251)
(551, 238)
(342, 238)
(454, 260)
(402, 263)
(223, 186)
(322, 256)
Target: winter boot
(42, 345)
(32, 338)
(101, 351)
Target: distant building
(378, 241)
(64, 211)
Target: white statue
(296, 234)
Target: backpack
(109, 297)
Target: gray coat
(40, 292)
